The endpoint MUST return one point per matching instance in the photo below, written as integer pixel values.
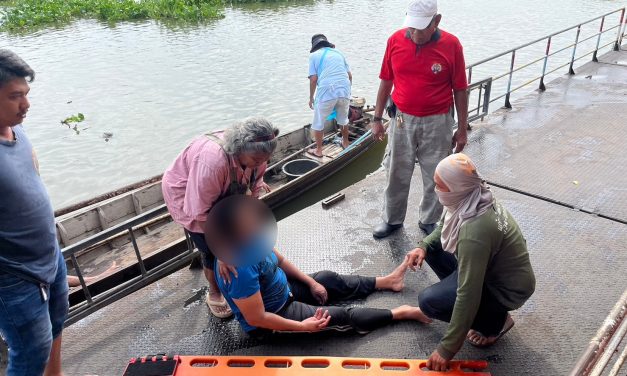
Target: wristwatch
(377, 119)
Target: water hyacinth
(28, 14)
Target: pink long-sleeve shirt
(198, 177)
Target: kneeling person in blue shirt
(268, 293)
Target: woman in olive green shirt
(481, 258)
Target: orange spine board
(318, 365)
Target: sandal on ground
(312, 151)
(509, 323)
(219, 308)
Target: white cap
(420, 13)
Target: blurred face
(423, 36)
(249, 223)
(253, 160)
(13, 102)
(240, 230)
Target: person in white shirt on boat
(330, 81)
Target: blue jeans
(28, 323)
(437, 301)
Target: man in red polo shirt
(425, 66)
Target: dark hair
(12, 66)
(319, 41)
(322, 45)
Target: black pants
(339, 287)
(207, 258)
(437, 301)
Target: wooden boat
(160, 238)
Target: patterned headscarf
(468, 198)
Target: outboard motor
(356, 109)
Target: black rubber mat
(579, 260)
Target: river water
(155, 87)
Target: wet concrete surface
(579, 258)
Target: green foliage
(72, 122)
(73, 119)
(28, 14)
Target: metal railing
(93, 303)
(603, 28)
(484, 87)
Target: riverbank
(28, 15)
(25, 15)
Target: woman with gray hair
(212, 167)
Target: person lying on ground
(270, 294)
(480, 255)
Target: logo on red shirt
(436, 68)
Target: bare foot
(477, 339)
(345, 143)
(315, 152)
(394, 281)
(407, 312)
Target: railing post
(509, 82)
(622, 34)
(140, 261)
(479, 99)
(594, 55)
(546, 61)
(621, 28)
(81, 279)
(571, 71)
(486, 98)
(469, 81)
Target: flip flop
(219, 309)
(509, 324)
